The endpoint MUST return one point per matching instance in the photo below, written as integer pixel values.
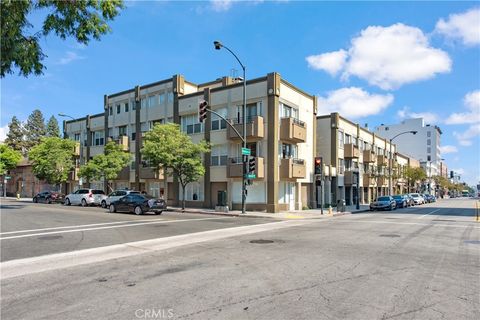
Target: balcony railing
(293, 130)
(368, 180)
(151, 173)
(368, 156)
(291, 168)
(351, 151)
(382, 160)
(255, 128)
(235, 169)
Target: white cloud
(221, 5)
(3, 132)
(353, 102)
(459, 171)
(472, 103)
(389, 57)
(429, 117)
(465, 138)
(331, 62)
(448, 149)
(69, 57)
(464, 26)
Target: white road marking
(22, 267)
(428, 214)
(412, 223)
(79, 226)
(101, 228)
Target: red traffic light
(202, 111)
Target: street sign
(251, 176)
(245, 151)
(8, 177)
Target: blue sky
(389, 60)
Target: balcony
(368, 156)
(351, 151)
(368, 180)
(123, 142)
(76, 149)
(349, 177)
(382, 181)
(382, 160)
(151, 173)
(291, 168)
(255, 128)
(293, 130)
(235, 169)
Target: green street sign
(8, 177)
(245, 151)
(251, 176)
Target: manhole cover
(472, 241)
(390, 235)
(49, 237)
(261, 241)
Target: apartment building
(356, 162)
(280, 133)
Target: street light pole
(390, 186)
(218, 45)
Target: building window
(118, 108)
(110, 110)
(340, 139)
(152, 124)
(152, 101)
(170, 96)
(77, 137)
(143, 103)
(341, 166)
(289, 151)
(161, 98)
(133, 103)
(429, 150)
(348, 138)
(133, 136)
(98, 138)
(170, 120)
(193, 191)
(429, 134)
(217, 122)
(288, 112)
(191, 125)
(219, 155)
(126, 107)
(122, 131)
(429, 142)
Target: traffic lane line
(421, 217)
(470, 225)
(22, 267)
(104, 227)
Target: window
(143, 103)
(219, 155)
(98, 138)
(126, 107)
(122, 131)
(288, 112)
(360, 144)
(348, 138)
(118, 108)
(152, 101)
(429, 134)
(133, 103)
(429, 150)
(340, 139)
(341, 166)
(152, 124)
(190, 124)
(193, 191)
(429, 142)
(133, 136)
(161, 98)
(217, 122)
(77, 137)
(110, 110)
(170, 120)
(170, 96)
(348, 164)
(289, 150)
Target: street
(84, 263)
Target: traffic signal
(318, 165)
(251, 164)
(202, 111)
(451, 174)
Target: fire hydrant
(330, 211)
(18, 196)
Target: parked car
(138, 204)
(400, 201)
(417, 198)
(409, 199)
(85, 197)
(429, 198)
(49, 197)
(115, 195)
(383, 203)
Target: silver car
(115, 195)
(85, 197)
(417, 198)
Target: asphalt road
(415, 263)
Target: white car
(417, 198)
(85, 197)
(115, 195)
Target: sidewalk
(296, 214)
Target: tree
(165, 146)
(15, 135)
(53, 130)
(52, 159)
(414, 174)
(34, 129)
(106, 166)
(80, 19)
(9, 158)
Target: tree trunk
(183, 198)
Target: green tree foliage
(165, 146)
(34, 129)
(414, 175)
(52, 159)
(53, 130)
(9, 158)
(15, 135)
(80, 19)
(106, 166)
